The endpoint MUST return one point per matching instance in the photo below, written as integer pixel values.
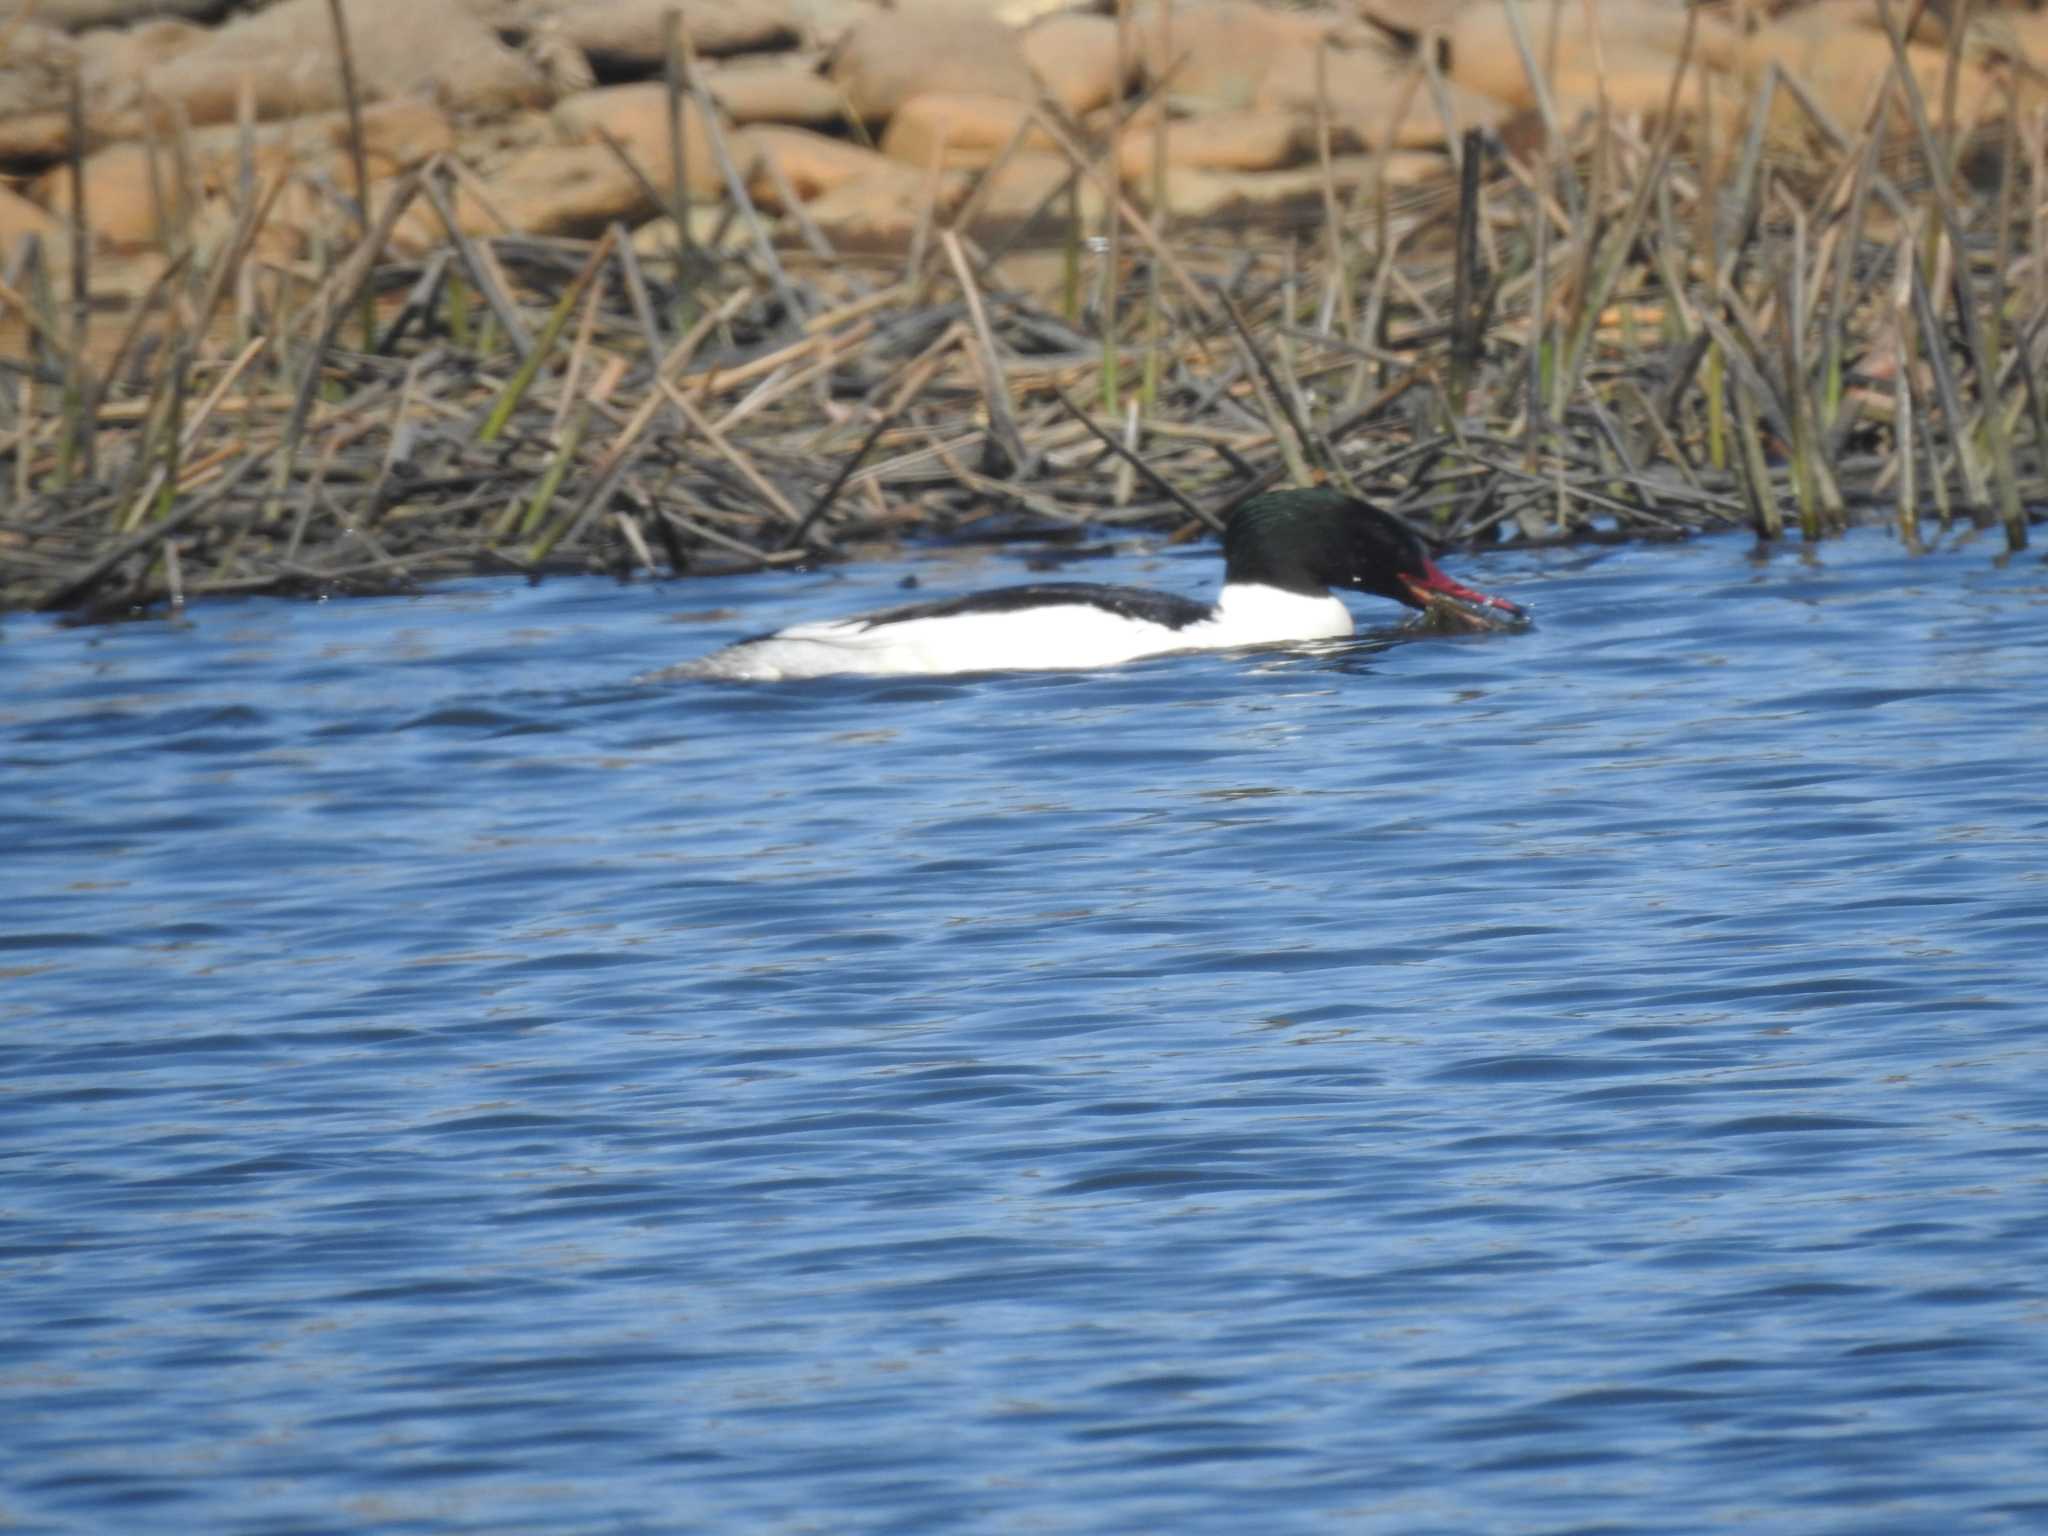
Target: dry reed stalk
(336, 295)
(83, 581)
(735, 184)
(1127, 214)
(358, 162)
(723, 446)
(672, 89)
(2012, 511)
(483, 276)
(1002, 411)
(79, 386)
(829, 347)
(635, 282)
(530, 365)
(912, 385)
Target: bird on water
(1283, 552)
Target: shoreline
(1546, 348)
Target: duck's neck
(1252, 613)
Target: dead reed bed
(1609, 332)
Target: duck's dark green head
(1311, 540)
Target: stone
(1634, 81)
(400, 47)
(1223, 49)
(811, 163)
(968, 131)
(396, 134)
(39, 136)
(637, 117)
(20, 218)
(893, 55)
(78, 15)
(115, 66)
(35, 68)
(558, 189)
(1014, 199)
(1363, 87)
(633, 33)
(1220, 141)
(786, 90)
(655, 240)
(1214, 196)
(123, 194)
(1074, 59)
(1635, 38)
(876, 215)
(1842, 67)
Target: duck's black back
(1137, 603)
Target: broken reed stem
(679, 181)
(1002, 412)
(529, 368)
(1162, 210)
(1109, 302)
(551, 482)
(358, 163)
(81, 395)
(735, 184)
(2011, 510)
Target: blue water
(1589, 1080)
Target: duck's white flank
(1050, 638)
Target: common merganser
(1282, 553)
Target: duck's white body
(1282, 553)
(1050, 636)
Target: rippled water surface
(1585, 1080)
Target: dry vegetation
(1611, 331)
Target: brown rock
(35, 67)
(1636, 37)
(637, 116)
(77, 15)
(786, 90)
(559, 189)
(115, 65)
(811, 163)
(1216, 195)
(1842, 68)
(20, 218)
(876, 215)
(969, 131)
(711, 228)
(1631, 80)
(126, 200)
(1408, 19)
(35, 70)
(1220, 141)
(401, 48)
(35, 136)
(1224, 49)
(2018, 34)
(1363, 88)
(1022, 13)
(894, 55)
(1074, 58)
(1024, 196)
(632, 32)
(400, 134)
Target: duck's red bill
(1456, 605)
